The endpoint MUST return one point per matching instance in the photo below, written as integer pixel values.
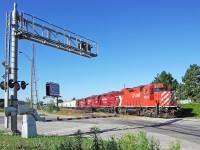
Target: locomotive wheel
(146, 112)
(124, 111)
(93, 109)
(112, 109)
(171, 114)
(138, 112)
(120, 110)
(117, 110)
(154, 113)
(165, 115)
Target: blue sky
(137, 39)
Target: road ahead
(166, 130)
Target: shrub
(50, 107)
(191, 110)
(66, 145)
(128, 141)
(138, 141)
(112, 144)
(96, 141)
(175, 146)
(78, 140)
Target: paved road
(166, 130)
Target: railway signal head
(23, 85)
(85, 46)
(2, 85)
(11, 83)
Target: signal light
(23, 85)
(85, 46)
(11, 83)
(2, 84)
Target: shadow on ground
(188, 112)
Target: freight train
(152, 100)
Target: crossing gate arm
(77, 118)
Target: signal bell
(17, 86)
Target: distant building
(186, 101)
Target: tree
(28, 101)
(60, 101)
(180, 92)
(166, 78)
(191, 82)
(41, 103)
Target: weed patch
(191, 110)
(128, 141)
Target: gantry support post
(14, 66)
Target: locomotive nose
(167, 98)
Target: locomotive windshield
(160, 88)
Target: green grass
(128, 141)
(1, 109)
(191, 110)
(41, 142)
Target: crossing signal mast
(25, 26)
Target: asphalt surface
(165, 130)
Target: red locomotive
(148, 100)
(153, 100)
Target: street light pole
(32, 66)
(31, 84)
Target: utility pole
(14, 66)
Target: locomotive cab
(155, 94)
(162, 95)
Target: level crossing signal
(2, 85)
(23, 85)
(12, 84)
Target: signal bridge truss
(43, 32)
